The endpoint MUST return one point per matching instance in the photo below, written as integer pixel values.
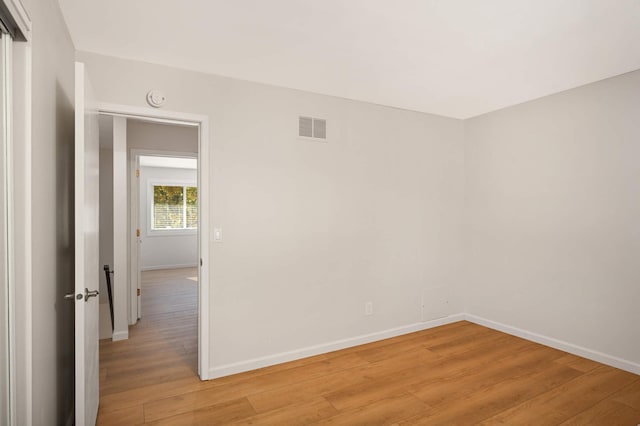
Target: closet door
(6, 361)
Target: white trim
(148, 114)
(176, 232)
(79, 277)
(175, 266)
(204, 302)
(7, 334)
(591, 354)
(7, 51)
(120, 217)
(134, 249)
(23, 128)
(265, 361)
(20, 15)
(120, 335)
(202, 121)
(152, 119)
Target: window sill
(172, 233)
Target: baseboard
(603, 358)
(177, 266)
(255, 363)
(120, 335)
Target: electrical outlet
(368, 308)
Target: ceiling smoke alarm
(156, 98)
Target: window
(174, 207)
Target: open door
(87, 267)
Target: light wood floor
(460, 373)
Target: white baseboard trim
(255, 363)
(176, 266)
(603, 358)
(120, 335)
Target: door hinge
(139, 292)
(137, 232)
(137, 172)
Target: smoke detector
(156, 98)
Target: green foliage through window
(175, 207)
(192, 207)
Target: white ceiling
(457, 58)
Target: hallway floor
(161, 349)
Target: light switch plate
(217, 234)
(368, 308)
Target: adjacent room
(345, 212)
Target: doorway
(165, 191)
(194, 196)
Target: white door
(87, 267)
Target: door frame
(18, 237)
(7, 280)
(202, 121)
(134, 216)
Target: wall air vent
(314, 128)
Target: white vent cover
(315, 128)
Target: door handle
(88, 294)
(71, 296)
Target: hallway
(161, 349)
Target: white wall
(106, 216)
(106, 233)
(161, 137)
(163, 250)
(314, 230)
(52, 207)
(553, 208)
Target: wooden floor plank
(243, 388)
(459, 373)
(306, 413)
(141, 395)
(563, 402)
(306, 390)
(606, 413)
(385, 411)
(217, 414)
(485, 402)
(580, 364)
(629, 395)
(520, 366)
(126, 416)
